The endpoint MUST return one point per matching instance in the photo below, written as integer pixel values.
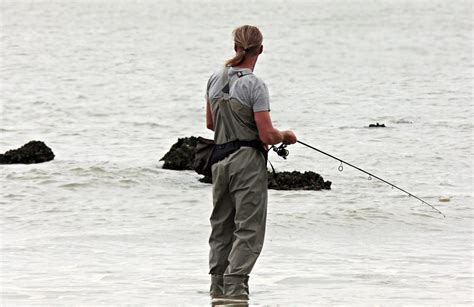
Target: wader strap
(241, 73)
(222, 151)
(225, 80)
(258, 145)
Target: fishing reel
(281, 151)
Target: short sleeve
(260, 97)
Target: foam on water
(110, 86)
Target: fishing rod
(283, 152)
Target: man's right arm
(268, 134)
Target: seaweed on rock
(181, 154)
(297, 181)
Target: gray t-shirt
(248, 89)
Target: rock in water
(181, 157)
(377, 125)
(31, 152)
(292, 181)
(298, 181)
(181, 154)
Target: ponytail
(247, 40)
(237, 59)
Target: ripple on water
(75, 185)
(402, 121)
(302, 280)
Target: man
(237, 111)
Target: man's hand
(289, 137)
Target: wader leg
(248, 188)
(222, 222)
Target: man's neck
(248, 63)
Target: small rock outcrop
(291, 181)
(31, 152)
(297, 181)
(181, 157)
(377, 125)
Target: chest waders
(239, 197)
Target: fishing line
(282, 151)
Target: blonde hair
(247, 40)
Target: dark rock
(31, 152)
(377, 125)
(291, 181)
(181, 155)
(297, 181)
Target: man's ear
(261, 49)
(235, 47)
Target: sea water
(111, 85)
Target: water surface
(111, 85)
